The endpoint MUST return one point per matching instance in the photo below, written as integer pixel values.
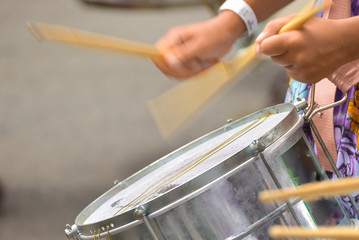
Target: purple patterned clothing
(355, 7)
(346, 127)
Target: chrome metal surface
(321, 109)
(181, 191)
(112, 232)
(222, 201)
(260, 223)
(140, 212)
(273, 133)
(71, 231)
(300, 157)
(149, 228)
(279, 186)
(301, 104)
(312, 105)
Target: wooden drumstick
(174, 107)
(344, 233)
(313, 190)
(84, 38)
(301, 19)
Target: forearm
(347, 75)
(350, 38)
(266, 8)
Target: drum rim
(181, 191)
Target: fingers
(278, 47)
(181, 55)
(174, 37)
(174, 68)
(271, 29)
(284, 59)
(275, 45)
(160, 64)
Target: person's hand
(308, 54)
(190, 49)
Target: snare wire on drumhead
(174, 175)
(165, 182)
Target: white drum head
(184, 165)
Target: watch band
(242, 9)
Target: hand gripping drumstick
(313, 190)
(343, 233)
(174, 107)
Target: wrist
(244, 11)
(231, 23)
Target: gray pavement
(72, 121)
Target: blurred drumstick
(174, 107)
(313, 190)
(344, 233)
(84, 38)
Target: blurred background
(72, 121)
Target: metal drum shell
(126, 226)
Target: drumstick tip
(298, 21)
(32, 29)
(266, 196)
(275, 231)
(263, 197)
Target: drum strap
(325, 93)
(324, 122)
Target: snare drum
(208, 189)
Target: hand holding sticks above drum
(189, 96)
(175, 107)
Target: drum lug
(230, 120)
(228, 125)
(301, 104)
(257, 146)
(121, 185)
(72, 231)
(140, 212)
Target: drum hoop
(182, 191)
